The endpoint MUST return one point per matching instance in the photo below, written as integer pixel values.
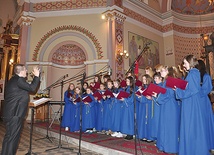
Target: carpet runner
(119, 144)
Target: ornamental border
(68, 27)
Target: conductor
(15, 106)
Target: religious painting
(1, 89)
(137, 46)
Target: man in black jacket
(16, 105)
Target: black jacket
(16, 97)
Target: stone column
(110, 41)
(24, 38)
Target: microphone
(65, 76)
(109, 71)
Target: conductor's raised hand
(36, 71)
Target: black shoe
(129, 137)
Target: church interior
(72, 39)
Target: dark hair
(158, 74)
(18, 68)
(107, 76)
(202, 68)
(99, 79)
(174, 72)
(192, 60)
(84, 90)
(148, 78)
(131, 79)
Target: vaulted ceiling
(193, 7)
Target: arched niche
(66, 58)
(66, 36)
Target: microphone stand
(78, 75)
(60, 129)
(80, 133)
(131, 70)
(48, 89)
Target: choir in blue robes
(88, 114)
(116, 112)
(193, 140)
(155, 118)
(76, 126)
(144, 117)
(206, 88)
(99, 114)
(69, 110)
(108, 104)
(127, 122)
(169, 118)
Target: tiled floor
(40, 146)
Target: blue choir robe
(69, 110)
(88, 114)
(155, 117)
(169, 121)
(108, 104)
(116, 112)
(127, 120)
(206, 88)
(140, 116)
(76, 126)
(99, 114)
(144, 117)
(193, 140)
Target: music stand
(47, 126)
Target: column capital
(26, 20)
(115, 15)
(6, 49)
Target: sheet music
(38, 102)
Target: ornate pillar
(118, 35)
(115, 32)
(13, 56)
(6, 51)
(24, 37)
